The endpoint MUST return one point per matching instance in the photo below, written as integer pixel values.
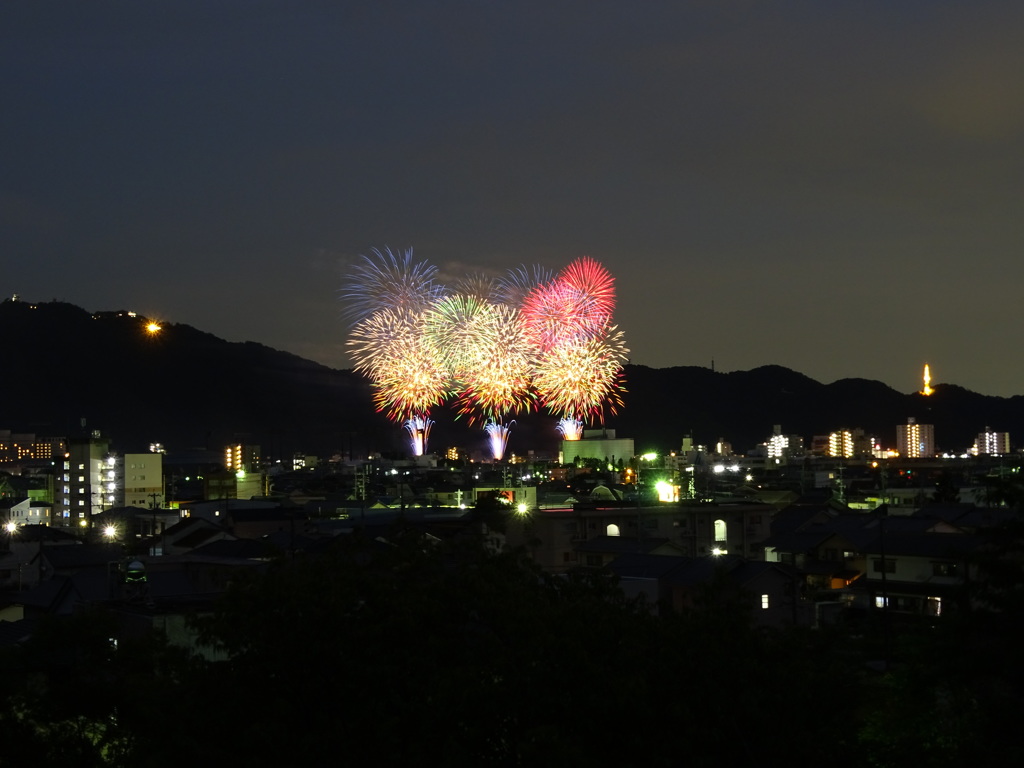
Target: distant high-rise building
(779, 447)
(989, 443)
(83, 481)
(142, 480)
(27, 447)
(840, 444)
(915, 441)
(242, 458)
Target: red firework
(577, 304)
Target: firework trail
(418, 428)
(497, 438)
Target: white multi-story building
(989, 443)
(83, 481)
(915, 441)
(779, 447)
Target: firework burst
(496, 346)
(580, 378)
(520, 282)
(385, 280)
(406, 373)
(578, 303)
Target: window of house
(764, 602)
(889, 565)
(944, 569)
(720, 530)
(611, 530)
(880, 601)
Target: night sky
(835, 187)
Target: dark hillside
(187, 388)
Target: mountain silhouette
(189, 389)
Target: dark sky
(837, 187)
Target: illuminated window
(720, 530)
(880, 601)
(612, 530)
(764, 602)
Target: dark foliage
(431, 654)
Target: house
(187, 534)
(19, 562)
(701, 583)
(919, 574)
(601, 550)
